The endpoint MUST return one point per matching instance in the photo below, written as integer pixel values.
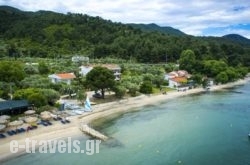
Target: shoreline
(57, 130)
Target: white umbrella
(3, 121)
(46, 117)
(2, 127)
(45, 113)
(5, 117)
(30, 119)
(29, 112)
(16, 123)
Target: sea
(210, 128)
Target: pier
(92, 132)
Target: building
(179, 73)
(10, 107)
(177, 82)
(62, 77)
(116, 69)
(85, 69)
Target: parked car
(97, 95)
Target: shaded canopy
(30, 119)
(4, 117)
(16, 123)
(2, 127)
(46, 117)
(29, 112)
(45, 113)
(3, 121)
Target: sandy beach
(60, 131)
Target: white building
(113, 67)
(62, 77)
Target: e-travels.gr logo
(53, 146)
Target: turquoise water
(201, 129)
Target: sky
(194, 17)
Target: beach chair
(67, 121)
(34, 126)
(59, 118)
(63, 122)
(14, 132)
(49, 123)
(22, 129)
(45, 124)
(19, 130)
(10, 133)
(2, 136)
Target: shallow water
(202, 129)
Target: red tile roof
(66, 75)
(179, 79)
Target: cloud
(192, 17)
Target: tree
(146, 87)
(37, 99)
(222, 77)
(120, 91)
(43, 68)
(36, 96)
(197, 78)
(51, 95)
(187, 60)
(100, 78)
(11, 71)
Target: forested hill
(50, 34)
(155, 28)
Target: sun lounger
(45, 124)
(14, 132)
(19, 130)
(49, 123)
(2, 136)
(34, 127)
(10, 133)
(22, 129)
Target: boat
(249, 135)
(87, 105)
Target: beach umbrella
(15, 123)
(46, 116)
(29, 112)
(5, 117)
(2, 127)
(45, 113)
(30, 119)
(3, 121)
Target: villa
(116, 69)
(62, 77)
(177, 79)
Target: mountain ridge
(47, 33)
(152, 27)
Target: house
(80, 59)
(85, 69)
(116, 69)
(177, 82)
(62, 77)
(179, 73)
(9, 107)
